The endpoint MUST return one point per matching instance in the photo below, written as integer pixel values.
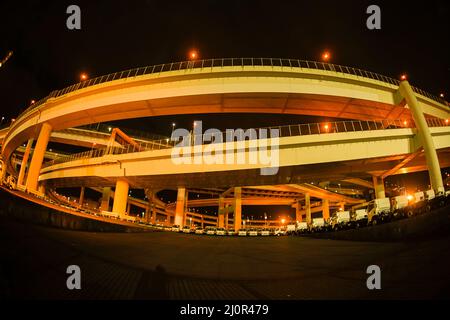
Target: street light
(193, 55)
(83, 76)
(326, 56)
(403, 77)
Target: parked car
(265, 232)
(187, 229)
(242, 232)
(210, 231)
(252, 232)
(199, 231)
(175, 228)
(221, 232)
(231, 232)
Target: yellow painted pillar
(221, 214)
(2, 171)
(81, 201)
(325, 209)
(308, 207)
(378, 185)
(237, 208)
(106, 195)
(226, 217)
(179, 210)
(298, 212)
(121, 197)
(153, 212)
(425, 137)
(150, 213)
(23, 166)
(41, 188)
(186, 199)
(38, 157)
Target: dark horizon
(115, 37)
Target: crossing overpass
(416, 139)
(157, 168)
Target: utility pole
(3, 61)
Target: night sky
(118, 35)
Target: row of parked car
(213, 231)
(375, 212)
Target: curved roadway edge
(30, 209)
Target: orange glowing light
(193, 55)
(33, 101)
(283, 221)
(409, 197)
(326, 56)
(403, 77)
(441, 95)
(83, 76)
(326, 127)
(446, 121)
(405, 123)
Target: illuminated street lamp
(403, 77)
(193, 55)
(441, 95)
(33, 101)
(83, 76)
(326, 56)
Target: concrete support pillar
(104, 206)
(2, 171)
(298, 212)
(179, 210)
(41, 188)
(186, 197)
(128, 208)
(121, 197)
(378, 185)
(237, 208)
(153, 213)
(150, 212)
(308, 207)
(38, 157)
(221, 214)
(226, 217)
(24, 164)
(425, 137)
(81, 201)
(325, 209)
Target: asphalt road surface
(165, 265)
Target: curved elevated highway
(417, 121)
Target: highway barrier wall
(22, 210)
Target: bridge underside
(286, 175)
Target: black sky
(118, 35)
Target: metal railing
(227, 62)
(251, 134)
